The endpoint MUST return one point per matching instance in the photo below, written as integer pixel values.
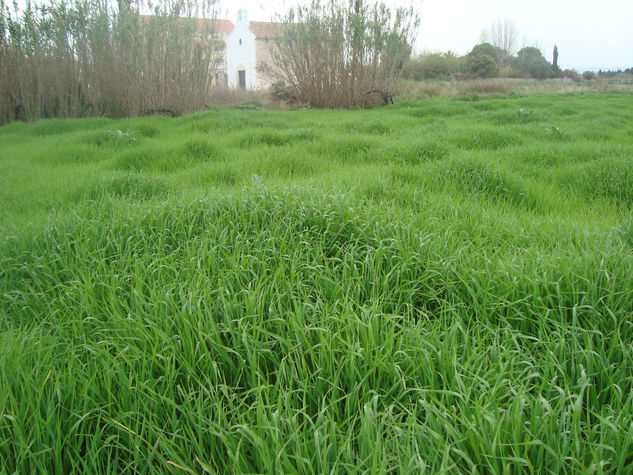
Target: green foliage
(509, 72)
(588, 75)
(531, 62)
(434, 66)
(501, 56)
(482, 49)
(484, 66)
(555, 68)
(436, 286)
(572, 74)
(484, 60)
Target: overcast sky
(589, 34)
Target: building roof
(222, 26)
(261, 29)
(266, 29)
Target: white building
(239, 49)
(245, 50)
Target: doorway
(242, 78)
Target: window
(221, 79)
(240, 41)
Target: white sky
(589, 34)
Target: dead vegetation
(420, 89)
(73, 58)
(336, 54)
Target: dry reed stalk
(70, 58)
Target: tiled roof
(261, 29)
(221, 26)
(266, 29)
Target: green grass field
(443, 285)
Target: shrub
(433, 66)
(589, 75)
(334, 54)
(484, 66)
(509, 72)
(571, 74)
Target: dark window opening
(221, 79)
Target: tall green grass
(321, 291)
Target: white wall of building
(240, 53)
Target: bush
(433, 66)
(589, 75)
(571, 74)
(336, 54)
(509, 72)
(484, 66)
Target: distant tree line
(71, 58)
(484, 61)
(615, 73)
(488, 61)
(495, 56)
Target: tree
(481, 60)
(335, 53)
(484, 66)
(481, 49)
(555, 66)
(531, 62)
(503, 35)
